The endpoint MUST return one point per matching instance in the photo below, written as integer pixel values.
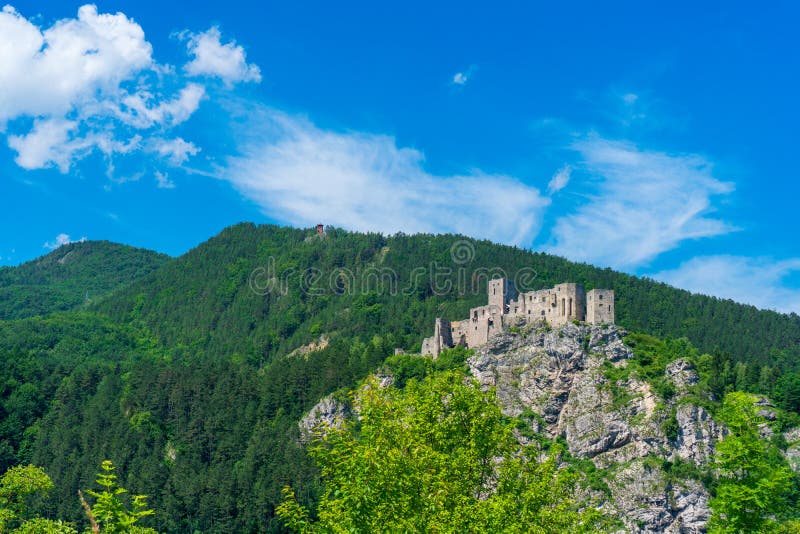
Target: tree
(109, 514)
(437, 456)
(754, 479)
(17, 486)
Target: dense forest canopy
(184, 372)
(71, 276)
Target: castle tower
(558, 306)
(499, 290)
(442, 338)
(600, 306)
(570, 304)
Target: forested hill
(204, 298)
(72, 275)
(184, 375)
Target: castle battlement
(557, 306)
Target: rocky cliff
(559, 375)
(557, 380)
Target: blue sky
(658, 140)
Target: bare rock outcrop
(330, 412)
(561, 375)
(650, 502)
(792, 452)
(559, 381)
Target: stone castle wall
(557, 306)
(600, 306)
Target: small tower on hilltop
(320, 229)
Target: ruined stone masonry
(557, 306)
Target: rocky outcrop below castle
(559, 375)
(557, 381)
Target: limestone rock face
(682, 374)
(327, 413)
(697, 433)
(792, 452)
(648, 502)
(560, 375)
(557, 380)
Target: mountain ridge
(227, 260)
(72, 275)
(184, 377)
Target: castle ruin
(557, 306)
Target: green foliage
(71, 276)
(182, 368)
(670, 426)
(40, 525)
(436, 456)
(405, 367)
(754, 479)
(18, 486)
(652, 356)
(110, 512)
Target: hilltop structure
(559, 305)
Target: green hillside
(185, 377)
(71, 276)
(203, 298)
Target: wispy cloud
(757, 281)
(177, 151)
(630, 98)
(303, 174)
(163, 181)
(559, 180)
(461, 78)
(643, 203)
(212, 58)
(61, 240)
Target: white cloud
(163, 180)
(60, 240)
(143, 109)
(87, 83)
(461, 78)
(46, 143)
(645, 203)
(302, 174)
(756, 281)
(212, 58)
(559, 180)
(48, 73)
(630, 98)
(176, 151)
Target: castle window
(542, 312)
(609, 307)
(601, 297)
